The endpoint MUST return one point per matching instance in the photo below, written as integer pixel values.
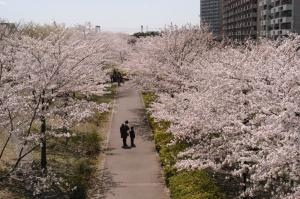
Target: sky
(111, 15)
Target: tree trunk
(43, 145)
(43, 138)
(10, 133)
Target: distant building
(278, 17)
(243, 19)
(240, 19)
(211, 15)
(98, 28)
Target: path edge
(102, 156)
(166, 189)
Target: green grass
(194, 185)
(9, 154)
(106, 98)
(8, 158)
(10, 193)
(197, 184)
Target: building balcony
(275, 21)
(274, 1)
(263, 22)
(280, 32)
(282, 8)
(264, 2)
(274, 10)
(286, 31)
(281, 20)
(287, 7)
(274, 32)
(264, 12)
(286, 20)
(263, 33)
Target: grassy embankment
(196, 184)
(74, 159)
(9, 155)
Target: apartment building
(278, 17)
(240, 19)
(211, 15)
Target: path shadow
(123, 94)
(109, 151)
(141, 124)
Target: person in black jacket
(132, 136)
(124, 133)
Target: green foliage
(116, 76)
(98, 118)
(194, 185)
(87, 143)
(73, 158)
(146, 34)
(161, 139)
(80, 178)
(183, 184)
(81, 143)
(149, 97)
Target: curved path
(132, 173)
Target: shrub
(80, 178)
(146, 34)
(149, 97)
(194, 185)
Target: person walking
(124, 133)
(119, 78)
(132, 136)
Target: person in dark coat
(132, 136)
(124, 133)
(119, 78)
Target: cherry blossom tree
(120, 47)
(169, 55)
(237, 106)
(39, 82)
(8, 100)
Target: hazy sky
(112, 15)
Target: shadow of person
(126, 147)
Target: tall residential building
(240, 19)
(278, 17)
(211, 15)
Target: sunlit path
(132, 173)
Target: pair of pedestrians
(124, 134)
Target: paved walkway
(132, 173)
